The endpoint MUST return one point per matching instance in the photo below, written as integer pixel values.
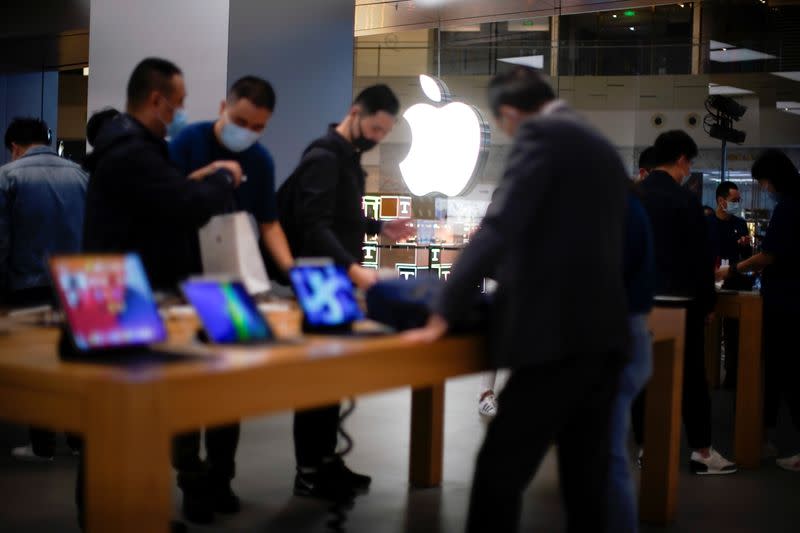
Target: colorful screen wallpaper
(107, 301)
(228, 313)
(326, 295)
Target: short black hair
(725, 188)
(522, 88)
(151, 74)
(25, 131)
(378, 98)
(97, 121)
(671, 145)
(647, 159)
(257, 90)
(775, 166)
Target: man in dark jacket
(559, 318)
(684, 268)
(320, 211)
(138, 201)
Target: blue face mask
(179, 121)
(733, 209)
(236, 138)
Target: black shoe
(322, 484)
(358, 482)
(225, 500)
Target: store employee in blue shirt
(233, 136)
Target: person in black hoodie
(138, 201)
(320, 211)
(684, 268)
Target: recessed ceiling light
(614, 16)
(734, 55)
(789, 75)
(632, 28)
(528, 61)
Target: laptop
(108, 306)
(327, 297)
(228, 313)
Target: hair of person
(522, 88)
(725, 188)
(151, 74)
(378, 98)
(97, 121)
(647, 158)
(775, 166)
(25, 131)
(257, 90)
(671, 145)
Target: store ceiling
(381, 16)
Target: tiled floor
(38, 498)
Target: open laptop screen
(107, 301)
(326, 295)
(228, 313)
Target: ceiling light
(789, 75)
(735, 55)
(85, 71)
(717, 45)
(528, 61)
(714, 88)
(615, 16)
(632, 28)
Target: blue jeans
(623, 516)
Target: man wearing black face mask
(320, 211)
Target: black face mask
(361, 143)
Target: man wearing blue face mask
(243, 115)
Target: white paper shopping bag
(229, 247)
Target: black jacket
(554, 236)
(684, 265)
(137, 201)
(320, 204)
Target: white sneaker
(714, 464)
(792, 464)
(25, 453)
(488, 406)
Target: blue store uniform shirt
(196, 146)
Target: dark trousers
(782, 358)
(315, 435)
(696, 408)
(730, 336)
(44, 442)
(567, 402)
(220, 464)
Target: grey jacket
(553, 237)
(42, 199)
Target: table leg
(662, 431)
(427, 436)
(748, 430)
(128, 475)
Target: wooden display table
(658, 498)
(128, 416)
(747, 308)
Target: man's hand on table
(434, 330)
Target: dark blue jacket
(639, 267)
(41, 212)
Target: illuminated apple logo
(449, 144)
